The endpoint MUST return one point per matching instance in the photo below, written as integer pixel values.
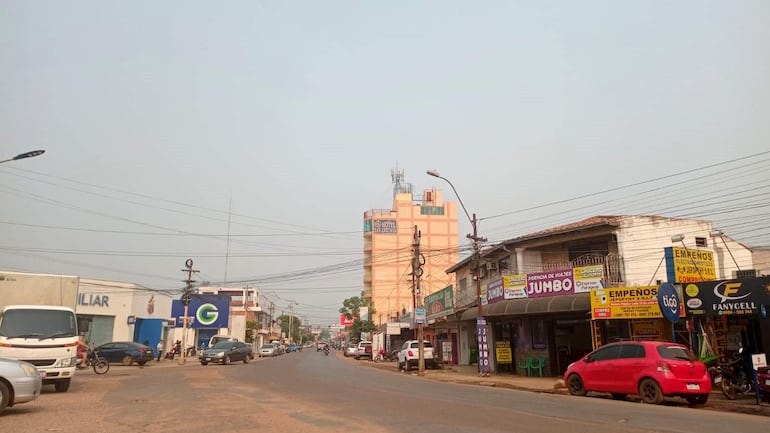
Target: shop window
(538, 334)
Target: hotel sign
(384, 226)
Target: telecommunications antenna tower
(399, 186)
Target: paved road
(308, 392)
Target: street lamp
(24, 155)
(476, 240)
(719, 234)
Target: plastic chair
(539, 364)
(527, 365)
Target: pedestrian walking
(160, 349)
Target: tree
(351, 308)
(251, 331)
(295, 324)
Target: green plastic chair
(539, 364)
(527, 365)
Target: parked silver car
(20, 382)
(268, 350)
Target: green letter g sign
(207, 314)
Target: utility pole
(291, 321)
(481, 323)
(417, 262)
(186, 297)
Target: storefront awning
(522, 307)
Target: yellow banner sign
(503, 353)
(625, 303)
(687, 265)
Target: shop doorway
(505, 334)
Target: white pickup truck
(408, 357)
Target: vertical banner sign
(481, 336)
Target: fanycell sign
(727, 297)
(205, 311)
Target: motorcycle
(735, 378)
(326, 350)
(98, 363)
(382, 355)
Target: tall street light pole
(481, 324)
(24, 155)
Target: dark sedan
(126, 352)
(226, 352)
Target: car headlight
(67, 362)
(29, 370)
(220, 354)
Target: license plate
(693, 386)
(208, 359)
(767, 382)
(718, 379)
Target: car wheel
(5, 396)
(618, 396)
(227, 360)
(127, 360)
(407, 366)
(142, 363)
(575, 385)
(204, 363)
(246, 359)
(697, 399)
(62, 385)
(650, 392)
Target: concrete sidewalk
(469, 375)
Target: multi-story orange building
(388, 249)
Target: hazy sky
(156, 116)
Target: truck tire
(62, 385)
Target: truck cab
(45, 336)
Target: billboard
(440, 303)
(687, 265)
(205, 311)
(727, 297)
(515, 286)
(550, 283)
(495, 291)
(625, 303)
(588, 278)
(344, 321)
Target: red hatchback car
(651, 369)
